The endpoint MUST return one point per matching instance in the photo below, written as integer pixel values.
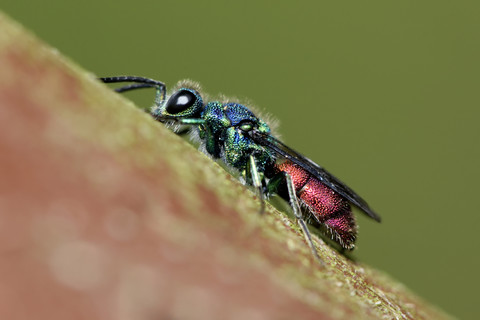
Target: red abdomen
(328, 207)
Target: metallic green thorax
(235, 119)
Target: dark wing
(315, 170)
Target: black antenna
(140, 83)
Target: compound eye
(180, 101)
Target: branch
(107, 214)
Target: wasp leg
(182, 132)
(256, 182)
(189, 123)
(299, 215)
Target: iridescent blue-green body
(222, 131)
(233, 133)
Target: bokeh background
(384, 94)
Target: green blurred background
(384, 94)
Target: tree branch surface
(106, 214)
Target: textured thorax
(225, 139)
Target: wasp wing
(315, 170)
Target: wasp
(231, 132)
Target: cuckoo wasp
(231, 132)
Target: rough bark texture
(105, 214)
